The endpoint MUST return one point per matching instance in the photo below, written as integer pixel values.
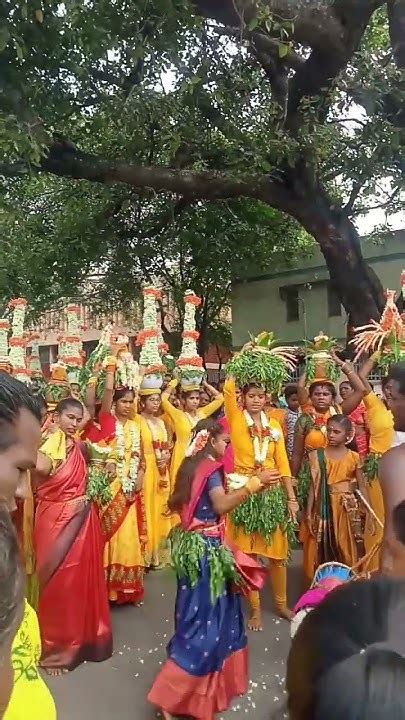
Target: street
(118, 688)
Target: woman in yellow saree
(157, 481)
(185, 420)
(123, 519)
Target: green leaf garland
(265, 369)
(370, 467)
(263, 513)
(98, 486)
(188, 550)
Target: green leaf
(4, 38)
(283, 50)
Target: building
(297, 302)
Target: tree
(257, 108)
(100, 245)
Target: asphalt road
(117, 689)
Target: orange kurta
(245, 464)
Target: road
(117, 689)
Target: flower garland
(261, 441)
(17, 341)
(148, 337)
(189, 364)
(128, 480)
(127, 372)
(4, 328)
(159, 446)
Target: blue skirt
(207, 662)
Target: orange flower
(194, 361)
(155, 370)
(4, 325)
(153, 291)
(17, 342)
(192, 299)
(72, 339)
(190, 334)
(73, 360)
(73, 308)
(17, 301)
(144, 335)
(163, 347)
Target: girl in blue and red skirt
(207, 662)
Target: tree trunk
(357, 285)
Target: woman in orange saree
(73, 606)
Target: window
(334, 306)
(292, 304)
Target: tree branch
(66, 161)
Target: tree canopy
(165, 137)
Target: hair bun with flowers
(190, 365)
(198, 443)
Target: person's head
(347, 660)
(339, 430)
(204, 398)
(322, 395)
(209, 439)
(150, 404)
(75, 390)
(386, 387)
(291, 397)
(69, 415)
(12, 588)
(394, 390)
(20, 437)
(190, 400)
(43, 408)
(254, 398)
(345, 389)
(123, 402)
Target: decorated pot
(321, 360)
(191, 381)
(152, 382)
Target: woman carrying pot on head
(264, 524)
(311, 435)
(123, 518)
(185, 419)
(156, 485)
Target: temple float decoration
(17, 341)
(320, 365)
(73, 346)
(127, 369)
(386, 337)
(93, 371)
(261, 362)
(5, 365)
(148, 338)
(190, 365)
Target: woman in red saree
(73, 606)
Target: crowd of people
(130, 472)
